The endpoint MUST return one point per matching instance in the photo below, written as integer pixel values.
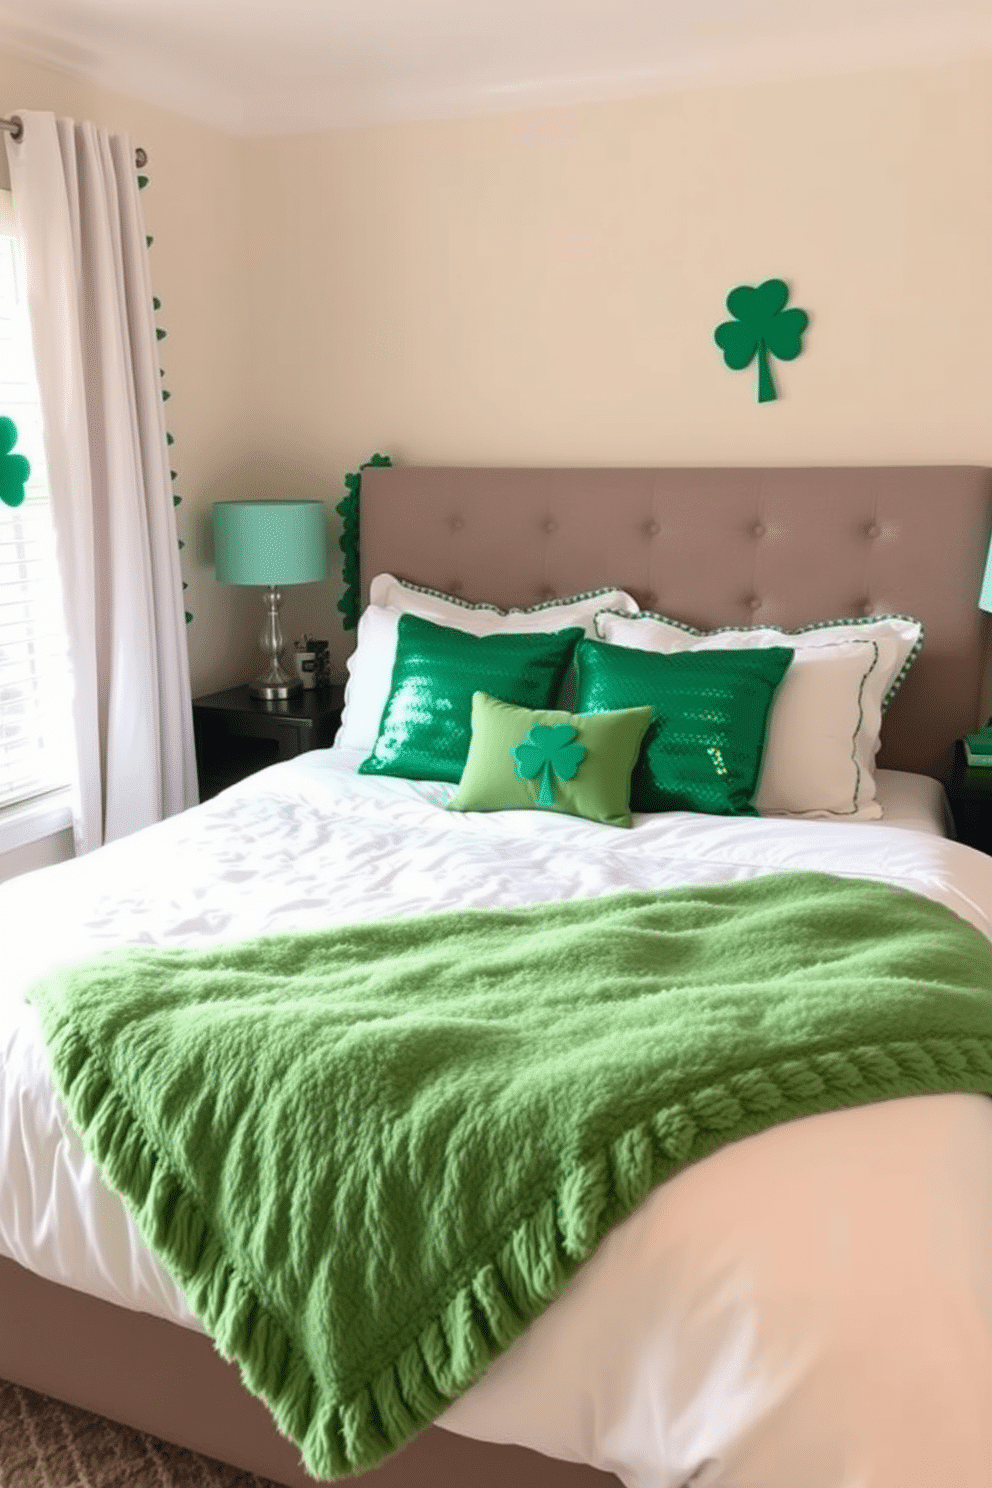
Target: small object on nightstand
(237, 734)
(970, 794)
(313, 662)
(978, 748)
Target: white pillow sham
(826, 720)
(370, 666)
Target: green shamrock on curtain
(762, 327)
(548, 750)
(14, 469)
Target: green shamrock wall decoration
(762, 327)
(14, 469)
(547, 750)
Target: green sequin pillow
(522, 759)
(427, 721)
(704, 750)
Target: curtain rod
(16, 127)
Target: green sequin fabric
(704, 750)
(426, 725)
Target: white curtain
(90, 300)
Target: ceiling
(258, 67)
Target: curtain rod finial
(15, 126)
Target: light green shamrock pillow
(526, 759)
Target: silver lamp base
(275, 684)
(275, 691)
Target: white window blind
(35, 680)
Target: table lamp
(985, 596)
(270, 543)
(978, 746)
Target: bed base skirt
(161, 1378)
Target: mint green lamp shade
(271, 543)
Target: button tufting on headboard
(912, 538)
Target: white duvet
(808, 1308)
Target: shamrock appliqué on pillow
(14, 469)
(549, 750)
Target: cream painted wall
(543, 286)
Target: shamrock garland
(14, 469)
(549, 750)
(350, 602)
(762, 326)
(160, 335)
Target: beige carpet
(45, 1444)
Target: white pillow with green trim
(826, 720)
(370, 666)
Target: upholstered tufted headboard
(719, 547)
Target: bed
(766, 1333)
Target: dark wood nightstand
(970, 794)
(237, 734)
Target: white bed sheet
(812, 1305)
(916, 801)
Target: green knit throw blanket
(372, 1156)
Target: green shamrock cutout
(762, 326)
(14, 469)
(547, 750)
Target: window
(35, 681)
